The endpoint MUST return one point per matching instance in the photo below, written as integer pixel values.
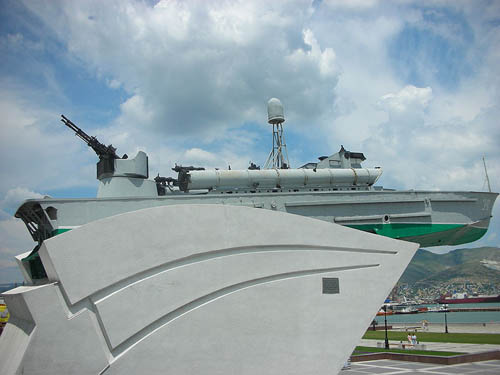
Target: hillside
(477, 266)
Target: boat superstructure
(233, 270)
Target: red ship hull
(469, 300)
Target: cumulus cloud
(199, 69)
(351, 4)
(194, 72)
(199, 66)
(199, 156)
(14, 197)
(424, 153)
(410, 98)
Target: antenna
(278, 157)
(486, 173)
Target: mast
(278, 157)
(486, 173)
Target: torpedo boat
(229, 270)
(336, 189)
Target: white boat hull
(190, 289)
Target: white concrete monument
(200, 289)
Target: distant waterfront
(452, 317)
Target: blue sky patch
(434, 50)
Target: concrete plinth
(209, 289)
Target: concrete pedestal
(201, 289)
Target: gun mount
(107, 154)
(164, 182)
(117, 176)
(183, 177)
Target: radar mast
(278, 157)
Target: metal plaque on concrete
(331, 285)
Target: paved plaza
(440, 346)
(387, 367)
(392, 367)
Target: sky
(414, 85)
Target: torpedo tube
(278, 178)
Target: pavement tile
(456, 369)
(388, 367)
(491, 363)
(371, 368)
(383, 370)
(380, 362)
(408, 365)
(475, 366)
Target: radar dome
(275, 111)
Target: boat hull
(195, 289)
(424, 217)
(429, 234)
(451, 301)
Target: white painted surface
(207, 289)
(132, 167)
(19, 261)
(112, 187)
(102, 254)
(129, 179)
(15, 340)
(275, 113)
(164, 292)
(59, 343)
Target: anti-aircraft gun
(107, 154)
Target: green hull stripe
(400, 230)
(59, 231)
(425, 234)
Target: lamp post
(385, 323)
(445, 319)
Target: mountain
(478, 266)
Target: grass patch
(464, 338)
(368, 349)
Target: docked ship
(230, 270)
(456, 298)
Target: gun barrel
(100, 149)
(79, 132)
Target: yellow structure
(4, 313)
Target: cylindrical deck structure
(278, 178)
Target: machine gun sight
(103, 151)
